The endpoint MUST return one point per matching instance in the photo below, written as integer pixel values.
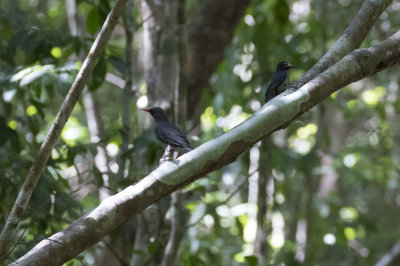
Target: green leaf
(251, 260)
(98, 75)
(93, 21)
(118, 63)
(71, 153)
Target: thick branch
(10, 229)
(212, 155)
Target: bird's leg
(168, 153)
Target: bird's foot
(168, 155)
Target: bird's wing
(277, 79)
(171, 135)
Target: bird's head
(284, 66)
(157, 113)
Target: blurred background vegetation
(324, 191)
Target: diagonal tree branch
(10, 228)
(214, 154)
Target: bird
(167, 133)
(279, 80)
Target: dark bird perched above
(167, 132)
(278, 81)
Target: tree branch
(10, 228)
(214, 154)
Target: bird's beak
(145, 109)
(291, 66)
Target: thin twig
(12, 249)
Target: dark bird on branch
(279, 80)
(167, 132)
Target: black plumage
(279, 80)
(167, 132)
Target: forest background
(323, 190)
